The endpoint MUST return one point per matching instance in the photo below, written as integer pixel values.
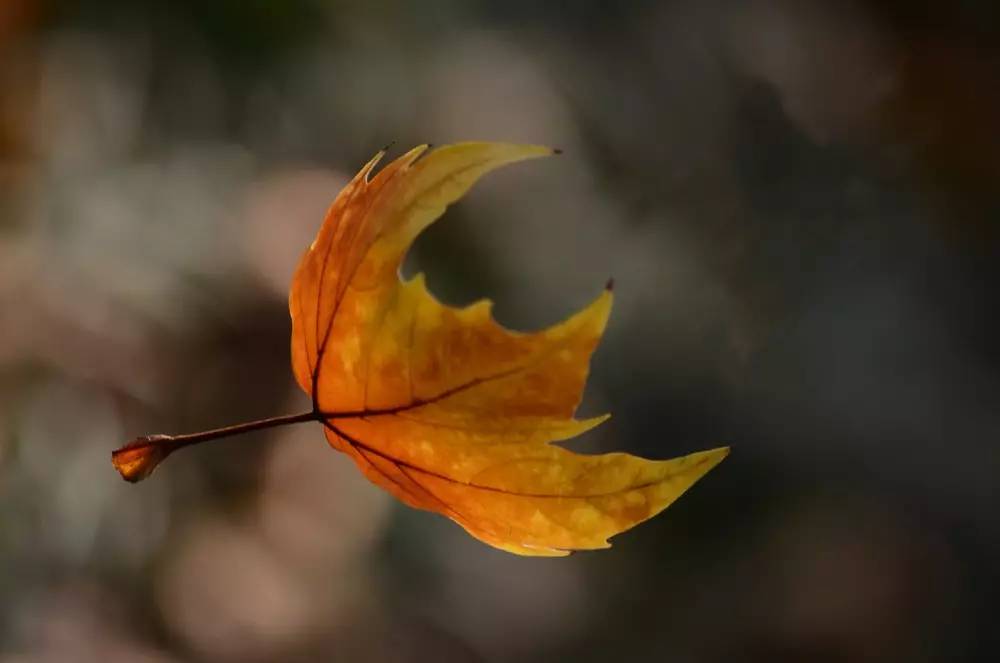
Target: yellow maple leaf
(443, 407)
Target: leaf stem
(188, 439)
(137, 459)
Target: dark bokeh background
(799, 201)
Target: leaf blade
(443, 407)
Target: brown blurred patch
(946, 106)
(16, 16)
(946, 111)
(18, 91)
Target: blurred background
(799, 201)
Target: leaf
(443, 407)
